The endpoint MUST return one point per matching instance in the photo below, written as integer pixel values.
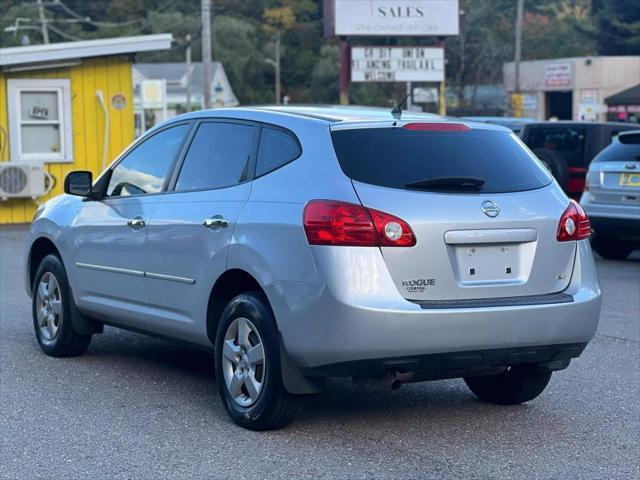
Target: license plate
(629, 180)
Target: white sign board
(396, 17)
(425, 95)
(154, 94)
(558, 75)
(530, 101)
(397, 64)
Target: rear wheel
(52, 311)
(611, 248)
(518, 384)
(248, 366)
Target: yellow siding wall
(111, 75)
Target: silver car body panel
(605, 197)
(331, 304)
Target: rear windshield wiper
(448, 183)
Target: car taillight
(329, 222)
(574, 224)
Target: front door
(109, 235)
(190, 232)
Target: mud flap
(294, 382)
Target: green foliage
(617, 26)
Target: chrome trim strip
(171, 278)
(104, 268)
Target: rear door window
(400, 158)
(218, 156)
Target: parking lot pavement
(138, 407)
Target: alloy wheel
(243, 362)
(49, 307)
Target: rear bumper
(616, 226)
(612, 219)
(454, 364)
(363, 317)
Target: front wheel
(52, 311)
(518, 384)
(247, 356)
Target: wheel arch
(233, 282)
(40, 248)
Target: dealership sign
(397, 64)
(395, 17)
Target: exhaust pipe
(392, 380)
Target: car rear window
(620, 152)
(397, 157)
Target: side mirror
(78, 183)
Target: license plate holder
(489, 264)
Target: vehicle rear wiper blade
(448, 183)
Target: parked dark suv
(567, 148)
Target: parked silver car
(305, 243)
(612, 197)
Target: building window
(40, 120)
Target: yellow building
(63, 106)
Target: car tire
(251, 389)
(555, 164)
(51, 310)
(611, 248)
(518, 384)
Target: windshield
(472, 161)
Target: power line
(64, 34)
(73, 13)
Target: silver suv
(305, 243)
(612, 197)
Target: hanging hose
(106, 127)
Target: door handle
(215, 221)
(136, 222)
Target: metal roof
(53, 52)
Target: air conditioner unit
(22, 180)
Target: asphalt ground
(139, 407)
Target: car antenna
(396, 112)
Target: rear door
(190, 231)
(484, 211)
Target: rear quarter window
(277, 148)
(396, 157)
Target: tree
(278, 20)
(617, 26)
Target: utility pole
(345, 70)
(188, 62)
(206, 51)
(277, 65)
(43, 22)
(517, 98)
